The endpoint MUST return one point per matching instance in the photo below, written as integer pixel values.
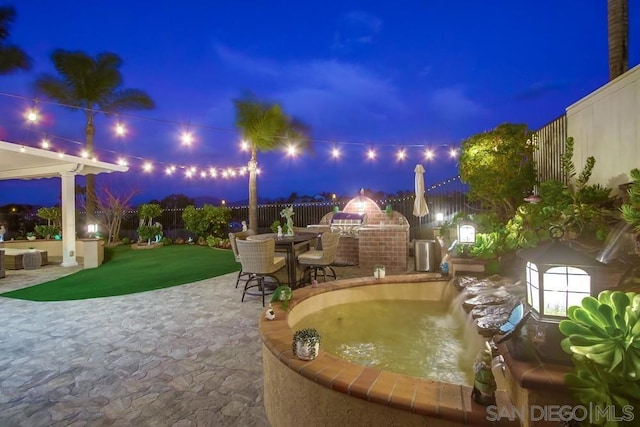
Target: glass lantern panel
(555, 279)
(575, 298)
(533, 291)
(555, 303)
(467, 234)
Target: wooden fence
(551, 140)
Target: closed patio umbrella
(420, 208)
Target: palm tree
(264, 127)
(92, 85)
(12, 58)
(618, 29)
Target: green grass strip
(127, 271)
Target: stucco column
(68, 220)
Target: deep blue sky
(360, 74)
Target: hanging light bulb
(244, 145)
(402, 154)
(335, 153)
(45, 143)
(186, 138)
(453, 153)
(291, 150)
(32, 115)
(120, 129)
(428, 154)
(147, 167)
(371, 154)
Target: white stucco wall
(606, 125)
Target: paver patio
(187, 355)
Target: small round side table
(31, 260)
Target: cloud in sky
(326, 93)
(356, 28)
(539, 90)
(453, 104)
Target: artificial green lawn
(127, 271)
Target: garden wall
(605, 125)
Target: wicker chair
(259, 261)
(232, 239)
(315, 260)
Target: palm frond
(127, 99)
(12, 58)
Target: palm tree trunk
(90, 179)
(253, 191)
(618, 30)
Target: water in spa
(416, 338)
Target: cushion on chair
(279, 262)
(310, 257)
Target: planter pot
(31, 237)
(379, 273)
(305, 351)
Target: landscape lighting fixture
(466, 232)
(557, 277)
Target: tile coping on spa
(424, 397)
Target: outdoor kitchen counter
(385, 244)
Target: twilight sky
(360, 74)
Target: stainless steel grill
(347, 223)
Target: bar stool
(321, 260)
(259, 261)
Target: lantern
(92, 229)
(557, 277)
(466, 232)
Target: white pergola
(24, 162)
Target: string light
(120, 129)
(428, 154)
(371, 154)
(32, 115)
(186, 138)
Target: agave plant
(603, 337)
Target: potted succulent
(282, 294)
(31, 236)
(379, 272)
(306, 343)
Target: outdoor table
(298, 243)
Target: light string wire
(371, 153)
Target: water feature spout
(614, 242)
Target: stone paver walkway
(183, 356)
